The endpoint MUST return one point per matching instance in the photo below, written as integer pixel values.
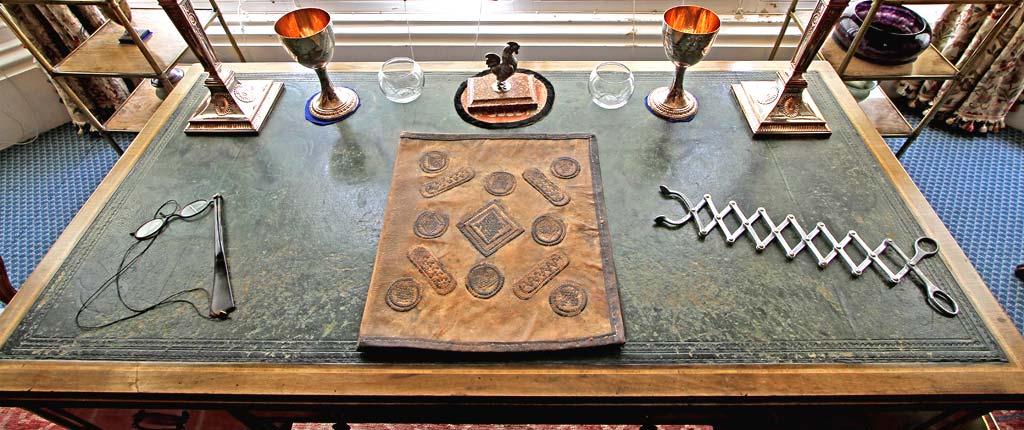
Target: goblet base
(348, 103)
(771, 111)
(671, 112)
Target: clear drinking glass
(611, 85)
(401, 79)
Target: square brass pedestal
(770, 111)
(216, 115)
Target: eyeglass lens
(149, 229)
(153, 227)
(195, 208)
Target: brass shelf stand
(931, 64)
(102, 55)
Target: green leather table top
(303, 211)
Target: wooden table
(783, 392)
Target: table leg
(954, 419)
(62, 418)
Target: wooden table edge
(923, 382)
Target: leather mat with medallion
(494, 243)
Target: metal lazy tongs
(924, 246)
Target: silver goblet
(688, 32)
(308, 36)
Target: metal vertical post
(227, 30)
(785, 26)
(875, 5)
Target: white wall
(28, 103)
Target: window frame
(472, 9)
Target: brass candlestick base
(346, 103)
(233, 106)
(783, 106)
(681, 110)
(245, 113)
(772, 108)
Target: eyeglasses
(222, 301)
(153, 227)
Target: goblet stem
(328, 98)
(676, 95)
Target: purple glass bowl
(897, 35)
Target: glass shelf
(884, 116)
(135, 112)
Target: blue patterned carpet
(42, 186)
(976, 185)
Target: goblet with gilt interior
(687, 35)
(308, 36)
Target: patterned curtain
(57, 30)
(981, 99)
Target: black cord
(126, 264)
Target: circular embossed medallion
(548, 230)
(433, 161)
(403, 294)
(484, 280)
(241, 92)
(568, 300)
(430, 224)
(565, 168)
(500, 183)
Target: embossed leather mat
(494, 243)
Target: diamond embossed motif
(490, 228)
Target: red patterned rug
(1007, 420)
(20, 419)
